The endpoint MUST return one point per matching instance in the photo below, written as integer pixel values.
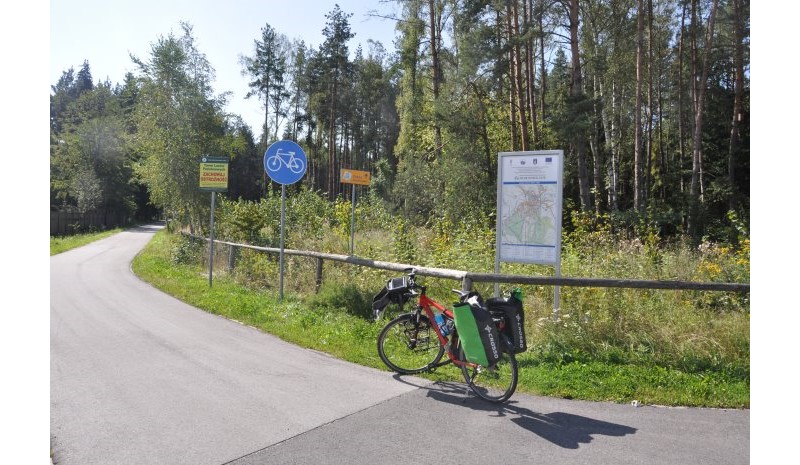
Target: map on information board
(529, 192)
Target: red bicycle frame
(426, 303)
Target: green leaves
(90, 156)
(178, 120)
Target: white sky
(106, 32)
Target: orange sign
(355, 177)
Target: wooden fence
(64, 222)
(467, 277)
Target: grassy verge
(327, 327)
(62, 244)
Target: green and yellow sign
(214, 174)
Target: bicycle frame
(426, 303)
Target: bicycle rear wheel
(495, 384)
(407, 346)
(273, 163)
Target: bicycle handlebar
(412, 281)
(461, 294)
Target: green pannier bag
(478, 334)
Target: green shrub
(404, 242)
(187, 251)
(255, 223)
(256, 269)
(347, 298)
(308, 217)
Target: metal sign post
(285, 163)
(283, 237)
(529, 199)
(214, 178)
(353, 221)
(211, 243)
(354, 177)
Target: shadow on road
(566, 430)
(147, 228)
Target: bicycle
(411, 343)
(287, 159)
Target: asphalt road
(138, 377)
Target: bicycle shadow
(566, 430)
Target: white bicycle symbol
(287, 159)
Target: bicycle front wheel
(495, 384)
(296, 166)
(408, 346)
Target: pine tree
(337, 71)
(267, 69)
(83, 82)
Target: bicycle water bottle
(440, 322)
(448, 326)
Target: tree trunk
(542, 67)
(265, 135)
(436, 70)
(530, 68)
(512, 109)
(491, 173)
(294, 117)
(610, 135)
(332, 144)
(504, 31)
(681, 130)
(662, 152)
(738, 95)
(638, 158)
(648, 168)
(697, 142)
(277, 119)
(576, 90)
(597, 161)
(516, 66)
(319, 179)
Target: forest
(649, 99)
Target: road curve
(138, 377)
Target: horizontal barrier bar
(503, 278)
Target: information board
(214, 174)
(529, 198)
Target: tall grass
(60, 244)
(685, 330)
(693, 344)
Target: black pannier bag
(478, 334)
(396, 291)
(511, 309)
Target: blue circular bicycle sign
(285, 162)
